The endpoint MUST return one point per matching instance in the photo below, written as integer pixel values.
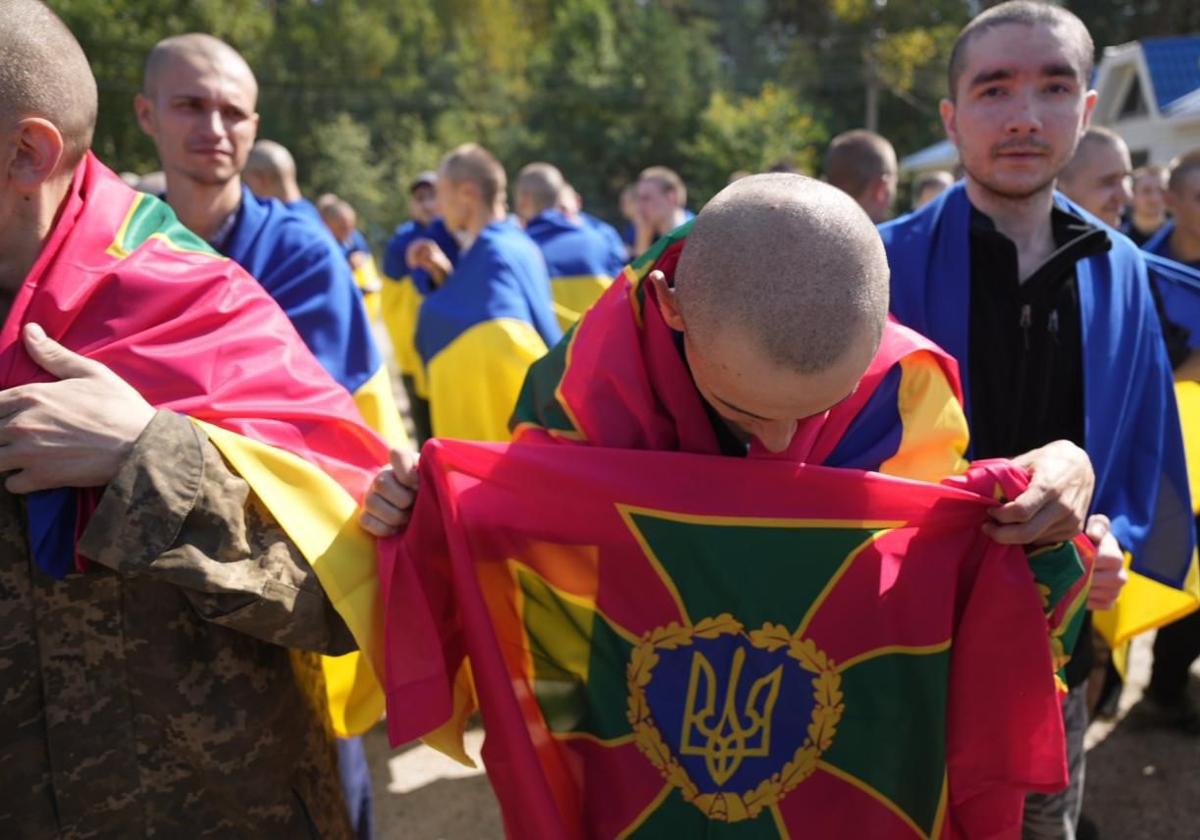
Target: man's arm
(177, 514)
(171, 510)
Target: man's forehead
(1022, 49)
(202, 76)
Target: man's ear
(946, 112)
(37, 152)
(144, 108)
(668, 304)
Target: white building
(1148, 92)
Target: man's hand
(428, 255)
(1055, 504)
(1108, 575)
(388, 506)
(72, 433)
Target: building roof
(1174, 65)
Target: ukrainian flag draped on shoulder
(619, 380)
(122, 282)
(302, 267)
(580, 261)
(479, 331)
(1132, 432)
(651, 660)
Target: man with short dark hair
(1149, 210)
(404, 288)
(1049, 315)
(1179, 239)
(862, 164)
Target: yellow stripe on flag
(321, 519)
(1145, 604)
(377, 404)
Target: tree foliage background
(366, 93)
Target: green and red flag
(670, 644)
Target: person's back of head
(338, 216)
(862, 164)
(781, 293)
(45, 75)
(539, 188)
(471, 186)
(271, 172)
(1097, 177)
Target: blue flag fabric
(395, 265)
(302, 268)
(574, 249)
(616, 243)
(1132, 432)
(1179, 288)
(502, 275)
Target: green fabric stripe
(676, 819)
(578, 662)
(656, 250)
(538, 401)
(892, 735)
(152, 216)
(708, 565)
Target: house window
(1133, 105)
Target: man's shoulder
(285, 234)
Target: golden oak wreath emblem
(715, 729)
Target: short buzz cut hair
(1024, 13)
(1181, 168)
(44, 73)
(856, 158)
(543, 183)
(1096, 135)
(472, 162)
(791, 262)
(936, 178)
(666, 178)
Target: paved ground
(1142, 784)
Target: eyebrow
(1003, 74)
(737, 408)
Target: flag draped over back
(122, 282)
(668, 643)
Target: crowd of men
(153, 684)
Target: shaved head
(1095, 139)
(471, 162)
(856, 158)
(271, 171)
(793, 263)
(200, 49)
(539, 187)
(44, 73)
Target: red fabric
(450, 598)
(627, 386)
(191, 331)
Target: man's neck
(1183, 246)
(1148, 224)
(481, 217)
(203, 207)
(1025, 221)
(22, 239)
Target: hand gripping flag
(122, 282)
(668, 644)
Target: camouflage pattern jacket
(155, 694)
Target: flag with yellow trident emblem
(686, 646)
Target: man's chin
(210, 177)
(1016, 189)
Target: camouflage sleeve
(176, 513)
